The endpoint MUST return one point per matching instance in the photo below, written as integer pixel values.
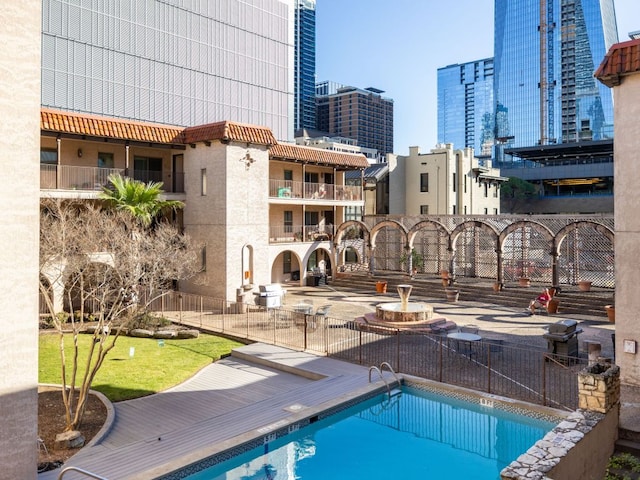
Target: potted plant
(584, 285)
(417, 261)
(611, 313)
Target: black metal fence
(491, 366)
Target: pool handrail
(80, 470)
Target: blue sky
(398, 46)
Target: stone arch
(377, 256)
(360, 246)
(435, 252)
(587, 257)
(477, 260)
(531, 258)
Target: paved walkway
(261, 387)
(512, 325)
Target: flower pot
(611, 313)
(445, 282)
(584, 285)
(552, 306)
(524, 282)
(452, 295)
(381, 287)
(444, 274)
(497, 287)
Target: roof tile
(317, 155)
(621, 59)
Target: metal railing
(491, 366)
(313, 191)
(300, 233)
(68, 177)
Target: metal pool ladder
(386, 365)
(80, 470)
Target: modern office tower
(465, 106)
(174, 62)
(361, 114)
(305, 65)
(545, 53)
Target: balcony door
(147, 169)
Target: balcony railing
(300, 233)
(313, 191)
(66, 177)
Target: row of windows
(424, 185)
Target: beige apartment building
(262, 212)
(444, 181)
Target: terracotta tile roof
(318, 156)
(621, 59)
(105, 127)
(230, 131)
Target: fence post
(441, 362)
(488, 368)
(544, 379)
(360, 347)
(201, 310)
(398, 349)
(180, 308)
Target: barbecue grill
(271, 295)
(562, 338)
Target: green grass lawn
(136, 366)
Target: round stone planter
(584, 285)
(452, 295)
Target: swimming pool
(417, 434)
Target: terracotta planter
(497, 287)
(444, 274)
(524, 282)
(381, 287)
(584, 285)
(452, 295)
(611, 313)
(445, 282)
(552, 307)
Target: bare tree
(106, 264)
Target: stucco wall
(627, 221)
(20, 142)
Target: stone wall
(579, 447)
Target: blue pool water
(415, 435)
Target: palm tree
(138, 198)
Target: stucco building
(620, 70)
(262, 211)
(443, 181)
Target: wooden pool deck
(229, 402)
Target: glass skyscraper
(465, 106)
(545, 54)
(305, 65)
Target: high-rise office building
(465, 106)
(305, 65)
(548, 109)
(545, 54)
(174, 62)
(361, 114)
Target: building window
(424, 182)
(454, 210)
(288, 221)
(486, 190)
(465, 184)
(147, 169)
(424, 209)
(454, 181)
(486, 211)
(495, 191)
(288, 175)
(203, 182)
(203, 259)
(105, 160)
(495, 211)
(465, 209)
(286, 262)
(49, 156)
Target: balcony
(66, 177)
(300, 233)
(283, 189)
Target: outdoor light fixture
(79, 152)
